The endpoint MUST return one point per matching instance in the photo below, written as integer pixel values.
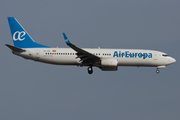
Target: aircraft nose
(172, 60)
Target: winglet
(79, 51)
(66, 39)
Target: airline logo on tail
(19, 36)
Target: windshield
(165, 55)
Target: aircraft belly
(58, 60)
(133, 62)
(157, 62)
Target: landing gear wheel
(157, 71)
(90, 70)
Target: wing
(85, 56)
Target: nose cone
(172, 60)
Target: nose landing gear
(159, 67)
(157, 71)
(90, 70)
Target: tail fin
(20, 37)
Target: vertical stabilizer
(20, 37)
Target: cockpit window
(165, 55)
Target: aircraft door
(155, 56)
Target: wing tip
(66, 39)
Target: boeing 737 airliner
(105, 59)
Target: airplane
(105, 59)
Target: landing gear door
(155, 56)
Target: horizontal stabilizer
(15, 48)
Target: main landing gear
(90, 70)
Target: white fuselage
(105, 59)
(125, 57)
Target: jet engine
(109, 64)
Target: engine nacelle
(109, 64)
